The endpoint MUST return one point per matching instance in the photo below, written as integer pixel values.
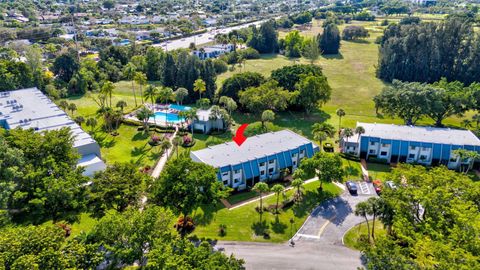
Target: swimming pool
(179, 107)
(170, 117)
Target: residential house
(213, 51)
(205, 124)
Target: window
(424, 149)
(271, 161)
(371, 151)
(294, 163)
(225, 174)
(262, 173)
(423, 157)
(412, 147)
(225, 182)
(411, 156)
(385, 145)
(235, 180)
(294, 155)
(372, 143)
(302, 152)
(383, 153)
(453, 159)
(236, 171)
(262, 164)
(270, 170)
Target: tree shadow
(333, 56)
(260, 227)
(278, 227)
(358, 41)
(310, 201)
(352, 171)
(103, 140)
(208, 214)
(139, 151)
(336, 207)
(140, 136)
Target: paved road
(318, 243)
(201, 38)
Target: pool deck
(158, 108)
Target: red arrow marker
(239, 138)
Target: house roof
(254, 147)
(420, 134)
(32, 109)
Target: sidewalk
(363, 164)
(163, 159)
(266, 196)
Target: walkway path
(163, 159)
(363, 165)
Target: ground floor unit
(260, 158)
(410, 144)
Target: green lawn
(357, 236)
(241, 196)
(242, 222)
(378, 171)
(130, 145)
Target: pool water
(170, 117)
(179, 107)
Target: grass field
(353, 238)
(243, 222)
(130, 145)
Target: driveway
(318, 243)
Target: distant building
(205, 124)
(213, 51)
(260, 158)
(30, 108)
(411, 144)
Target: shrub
(220, 66)
(249, 53)
(222, 230)
(186, 227)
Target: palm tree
(141, 79)
(215, 114)
(165, 146)
(340, 113)
(79, 120)
(144, 115)
(165, 94)
(359, 131)
(121, 104)
(261, 188)
(363, 209)
(277, 189)
(177, 141)
(151, 93)
(129, 73)
(199, 86)
(92, 123)
(72, 107)
(375, 209)
(228, 103)
(63, 105)
(322, 131)
(107, 90)
(191, 116)
(346, 133)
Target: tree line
(428, 51)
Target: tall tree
(311, 50)
(329, 40)
(314, 91)
(261, 188)
(178, 186)
(169, 71)
(267, 116)
(141, 79)
(322, 131)
(200, 87)
(327, 167)
(129, 73)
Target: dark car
(352, 187)
(377, 184)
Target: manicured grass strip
(242, 222)
(357, 235)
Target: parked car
(391, 184)
(352, 187)
(377, 184)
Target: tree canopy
(268, 96)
